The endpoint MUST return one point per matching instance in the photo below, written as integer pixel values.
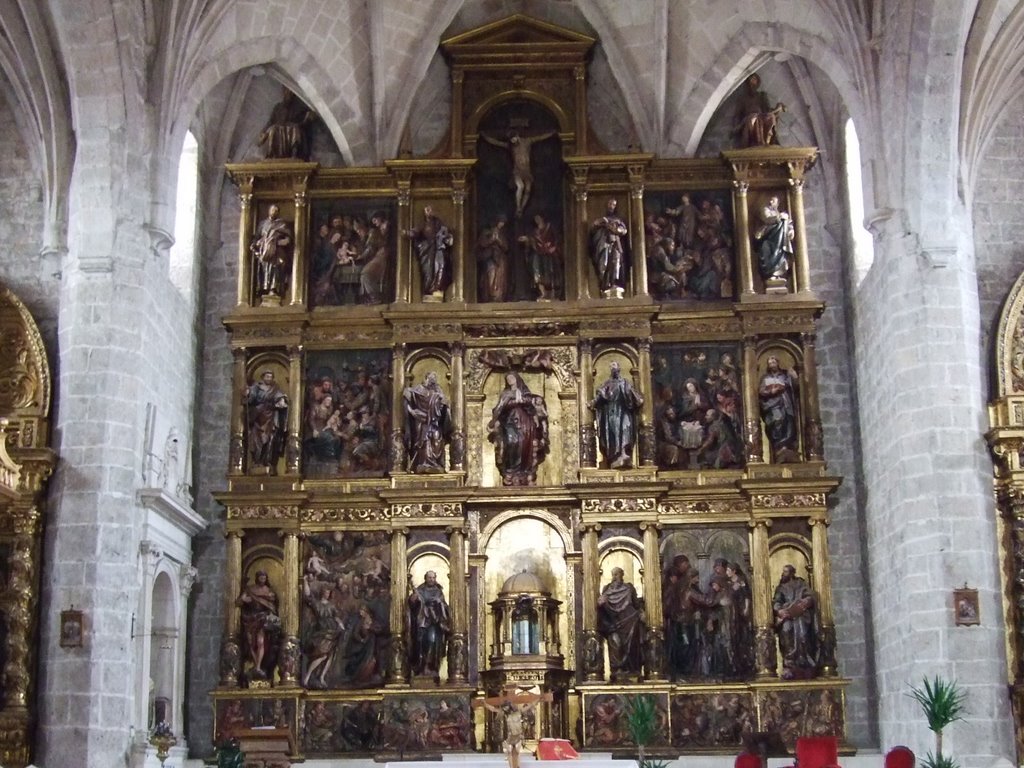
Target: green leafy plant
(942, 702)
(642, 723)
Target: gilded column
(751, 403)
(647, 449)
(654, 642)
(765, 656)
(814, 448)
(803, 264)
(299, 260)
(244, 235)
(236, 451)
(637, 239)
(398, 669)
(579, 192)
(458, 643)
(397, 410)
(288, 661)
(588, 453)
(823, 591)
(456, 136)
(593, 656)
(403, 274)
(457, 450)
(230, 651)
(579, 73)
(293, 446)
(459, 247)
(739, 207)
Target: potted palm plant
(942, 702)
(642, 724)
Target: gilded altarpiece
(524, 416)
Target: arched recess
(26, 461)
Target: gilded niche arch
(26, 462)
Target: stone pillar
(398, 386)
(403, 272)
(637, 239)
(648, 456)
(802, 274)
(457, 450)
(300, 260)
(822, 580)
(459, 246)
(743, 255)
(588, 452)
(654, 641)
(293, 445)
(458, 597)
(765, 655)
(398, 668)
(288, 658)
(236, 452)
(244, 237)
(230, 648)
(751, 403)
(579, 194)
(814, 449)
(593, 655)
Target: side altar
(526, 415)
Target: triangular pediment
(517, 30)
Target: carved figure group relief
(233, 715)
(347, 423)
(606, 721)
(690, 245)
(712, 720)
(346, 595)
(698, 407)
(352, 254)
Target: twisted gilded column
(765, 654)
(457, 450)
(244, 236)
(288, 658)
(293, 444)
(638, 242)
(823, 591)
(230, 651)
(458, 602)
(803, 263)
(398, 410)
(814, 448)
(648, 456)
(654, 641)
(743, 255)
(593, 656)
(398, 668)
(299, 259)
(751, 403)
(588, 436)
(236, 451)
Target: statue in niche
(433, 242)
(261, 626)
(522, 173)
(778, 396)
(757, 122)
(492, 257)
(742, 625)
(267, 418)
(519, 431)
(428, 425)
(608, 251)
(169, 478)
(272, 250)
(795, 611)
(620, 621)
(774, 239)
(430, 620)
(545, 259)
(617, 405)
(287, 133)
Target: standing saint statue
(774, 238)
(272, 250)
(266, 408)
(522, 173)
(260, 625)
(617, 404)
(519, 431)
(794, 607)
(620, 621)
(492, 256)
(608, 251)
(757, 122)
(433, 242)
(430, 619)
(287, 133)
(777, 393)
(428, 425)
(545, 258)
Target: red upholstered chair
(900, 757)
(817, 752)
(748, 760)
